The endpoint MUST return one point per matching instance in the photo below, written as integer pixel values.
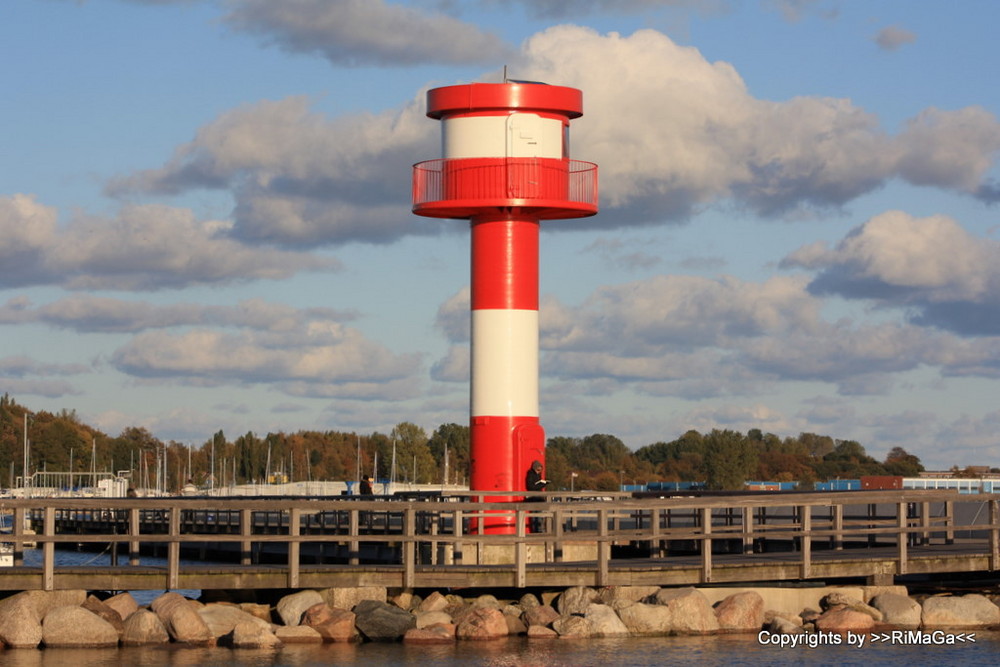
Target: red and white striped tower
(505, 168)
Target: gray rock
(647, 619)
(614, 594)
(692, 614)
(291, 607)
(959, 612)
(783, 626)
(528, 600)
(20, 624)
(347, 597)
(144, 627)
(248, 634)
(573, 626)
(426, 618)
(604, 621)
(298, 634)
(181, 619)
(93, 605)
(542, 615)
(75, 627)
(123, 603)
(433, 602)
(221, 619)
(575, 600)
(897, 610)
(380, 621)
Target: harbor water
(727, 650)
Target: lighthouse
(505, 167)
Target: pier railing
(574, 539)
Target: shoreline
(782, 616)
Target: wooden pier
(437, 542)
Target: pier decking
(435, 542)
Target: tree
(900, 462)
(453, 438)
(730, 459)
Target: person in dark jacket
(366, 486)
(533, 481)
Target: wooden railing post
(994, 534)
(805, 512)
(133, 531)
(706, 544)
(48, 548)
(949, 522)
(20, 516)
(902, 523)
(520, 551)
(353, 529)
(246, 529)
(458, 530)
(925, 522)
(838, 527)
(294, 546)
(173, 548)
(603, 547)
(747, 521)
(409, 547)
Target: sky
(205, 217)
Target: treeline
(722, 459)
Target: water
(728, 650)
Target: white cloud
(146, 247)
(892, 37)
(945, 276)
(366, 32)
(672, 133)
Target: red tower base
(503, 468)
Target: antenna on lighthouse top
(505, 74)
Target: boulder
(615, 594)
(261, 611)
(898, 610)
(486, 601)
(692, 614)
(222, 619)
(438, 633)
(20, 625)
(333, 625)
(249, 634)
(604, 622)
(380, 621)
(573, 627)
(405, 600)
(515, 626)
(647, 619)
(75, 627)
(123, 603)
(95, 606)
(541, 632)
(741, 612)
(144, 627)
(426, 618)
(482, 623)
(349, 597)
(783, 626)
(967, 611)
(575, 600)
(542, 615)
(433, 602)
(528, 600)
(291, 607)
(842, 619)
(298, 634)
(181, 619)
(47, 600)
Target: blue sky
(204, 208)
